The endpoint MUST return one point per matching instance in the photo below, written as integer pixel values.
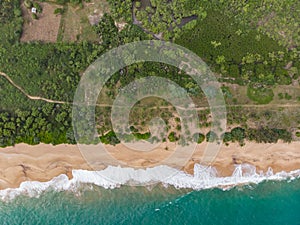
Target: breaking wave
(114, 177)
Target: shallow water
(271, 202)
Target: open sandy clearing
(45, 28)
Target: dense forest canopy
(167, 17)
(237, 39)
(277, 19)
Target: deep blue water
(267, 203)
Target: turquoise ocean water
(270, 202)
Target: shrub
(59, 11)
(172, 137)
(28, 4)
(62, 2)
(34, 16)
(198, 137)
(238, 134)
(38, 7)
(138, 4)
(227, 137)
(17, 12)
(142, 136)
(260, 95)
(287, 96)
(211, 136)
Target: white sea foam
(113, 177)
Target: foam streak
(113, 177)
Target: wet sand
(43, 162)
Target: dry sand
(43, 162)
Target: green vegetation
(9, 10)
(34, 16)
(168, 17)
(48, 70)
(121, 10)
(260, 95)
(211, 136)
(260, 135)
(284, 96)
(49, 123)
(107, 31)
(277, 19)
(263, 135)
(110, 138)
(59, 11)
(28, 4)
(111, 37)
(198, 137)
(10, 22)
(237, 53)
(73, 2)
(249, 61)
(172, 137)
(242, 55)
(38, 7)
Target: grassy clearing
(45, 28)
(283, 90)
(238, 95)
(260, 95)
(268, 116)
(60, 33)
(70, 25)
(75, 21)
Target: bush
(238, 134)
(287, 96)
(17, 12)
(143, 136)
(260, 95)
(198, 137)
(34, 16)
(227, 137)
(211, 136)
(267, 135)
(62, 2)
(138, 4)
(172, 137)
(110, 138)
(59, 11)
(28, 4)
(38, 7)
(76, 2)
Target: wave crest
(113, 177)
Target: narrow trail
(162, 107)
(30, 96)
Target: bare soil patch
(45, 28)
(77, 22)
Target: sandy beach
(43, 162)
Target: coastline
(43, 162)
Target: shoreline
(43, 162)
